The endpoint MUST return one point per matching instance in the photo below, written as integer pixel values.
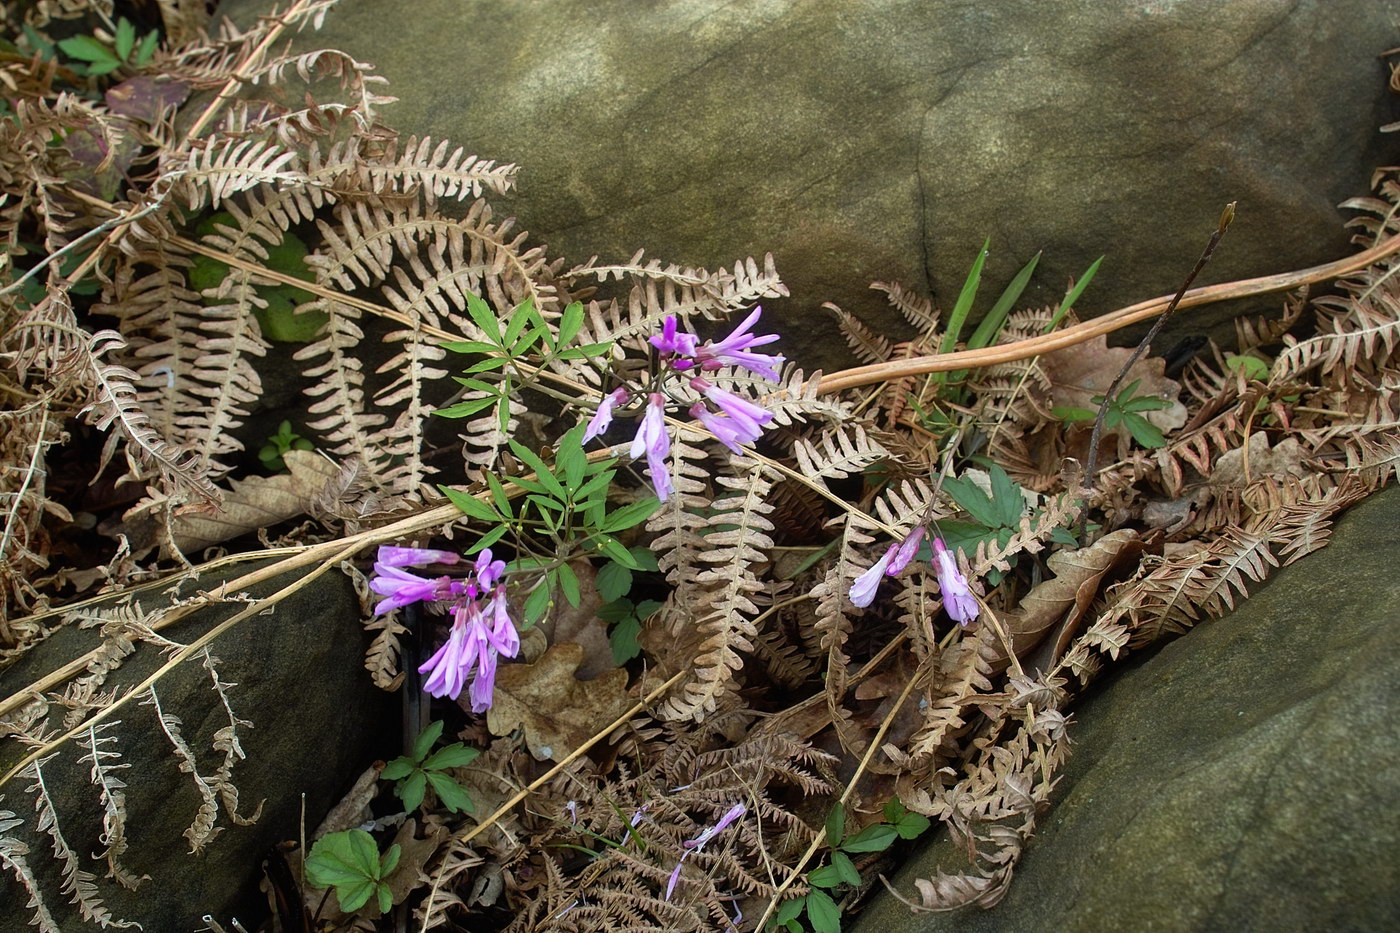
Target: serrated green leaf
(824, 877)
(845, 868)
(104, 67)
(411, 789)
(482, 315)
(427, 739)
(449, 793)
(875, 838)
(614, 581)
(455, 755)
(400, 767)
(87, 49)
(972, 500)
(789, 910)
(911, 825)
(469, 505)
(568, 584)
(823, 913)
(893, 810)
(630, 515)
(1006, 496)
(570, 322)
(125, 38)
(623, 639)
(354, 896)
(147, 48)
(1143, 431)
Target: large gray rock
(317, 723)
(1244, 778)
(885, 140)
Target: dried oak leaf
(1079, 373)
(257, 502)
(1078, 578)
(1283, 459)
(557, 712)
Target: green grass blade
(987, 331)
(1073, 295)
(963, 307)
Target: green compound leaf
(823, 913)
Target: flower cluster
(730, 418)
(482, 630)
(698, 843)
(958, 599)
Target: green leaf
(963, 306)
(570, 322)
(486, 365)
(875, 838)
(823, 913)
(400, 767)
(488, 539)
(986, 333)
(536, 604)
(470, 346)
(87, 49)
(587, 350)
(523, 316)
(1006, 496)
(1143, 431)
(1251, 367)
(893, 810)
(614, 581)
(470, 505)
(354, 896)
(104, 67)
(125, 38)
(789, 910)
(411, 789)
(498, 494)
(1074, 414)
(349, 861)
(610, 547)
(1073, 295)
(568, 584)
(450, 794)
(482, 315)
(623, 639)
(38, 43)
(1146, 403)
(644, 559)
(569, 457)
(836, 824)
(427, 739)
(824, 877)
(386, 897)
(972, 500)
(542, 470)
(630, 515)
(845, 868)
(455, 755)
(390, 861)
(147, 48)
(911, 825)
(463, 409)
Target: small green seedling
(416, 772)
(278, 444)
(350, 862)
(823, 914)
(1124, 411)
(103, 58)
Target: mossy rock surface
(885, 140)
(1243, 778)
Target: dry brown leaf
(581, 625)
(257, 502)
(1079, 373)
(1078, 577)
(557, 711)
(1283, 459)
(415, 852)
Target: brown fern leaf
(867, 345)
(917, 309)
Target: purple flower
(734, 351)
(448, 668)
(504, 638)
(603, 417)
(402, 588)
(957, 597)
(653, 441)
(391, 556)
(728, 431)
(750, 417)
(863, 590)
(908, 548)
(673, 342)
(698, 843)
(488, 571)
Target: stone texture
(885, 140)
(1243, 778)
(318, 722)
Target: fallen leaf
(257, 502)
(1286, 459)
(557, 712)
(1079, 373)
(414, 854)
(1078, 577)
(582, 625)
